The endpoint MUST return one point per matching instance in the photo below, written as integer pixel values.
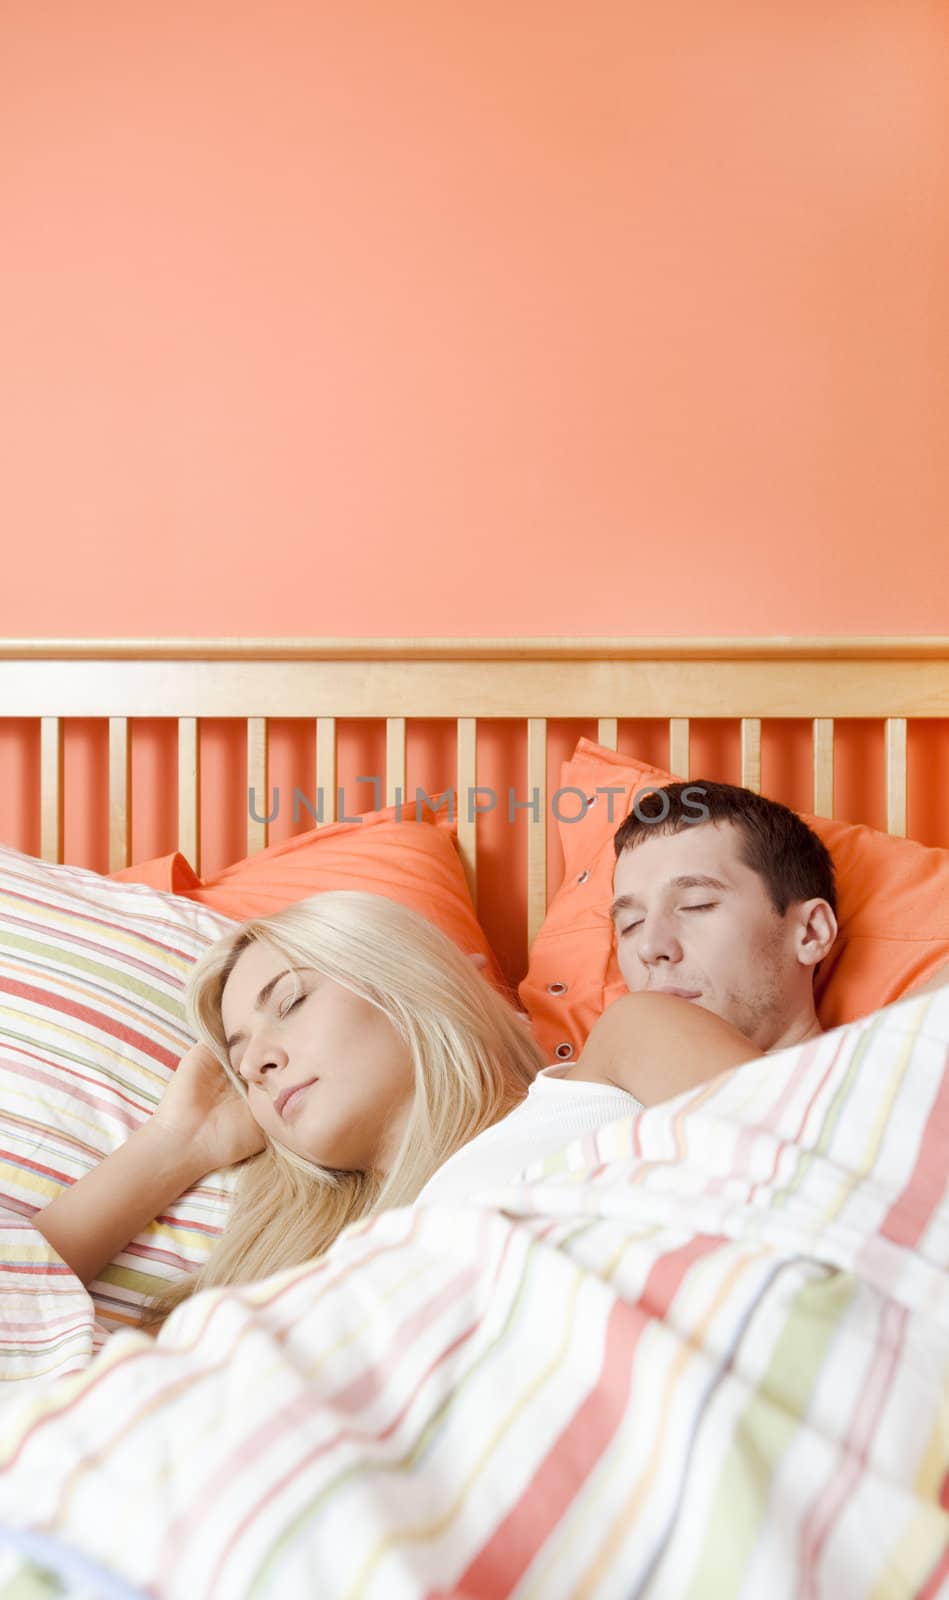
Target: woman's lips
(286, 1106)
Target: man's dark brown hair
(787, 855)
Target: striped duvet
(702, 1353)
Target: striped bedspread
(703, 1353)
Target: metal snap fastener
(556, 988)
(564, 1051)
(584, 875)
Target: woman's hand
(201, 1108)
(201, 1123)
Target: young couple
(353, 1059)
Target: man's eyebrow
(261, 1000)
(698, 880)
(691, 880)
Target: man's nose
(658, 941)
(260, 1056)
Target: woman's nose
(260, 1055)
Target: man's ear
(816, 930)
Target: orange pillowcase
(414, 862)
(171, 874)
(893, 911)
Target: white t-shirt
(556, 1110)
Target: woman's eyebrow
(264, 995)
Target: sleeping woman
(347, 1051)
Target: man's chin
(707, 1002)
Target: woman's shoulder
(557, 1080)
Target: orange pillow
(171, 874)
(893, 911)
(414, 862)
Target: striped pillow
(92, 1023)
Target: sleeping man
(721, 920)
(732, 914)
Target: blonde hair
(472, 1053)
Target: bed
(701, 1353)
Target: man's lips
(683, 994)
(284, 1098)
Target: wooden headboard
(530, 680)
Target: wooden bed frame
(530, 680)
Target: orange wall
(532, 318)
(403, 318)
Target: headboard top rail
(774, 648)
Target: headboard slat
(751, 753)
(395, 760)
(189, 792)
(537, 829)
(607, 732)
(823, 739)
(326, 765)
(466, 764)
(258, 804)
(679, 746)
(120, 794)
(896, 775)
(51, 788)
